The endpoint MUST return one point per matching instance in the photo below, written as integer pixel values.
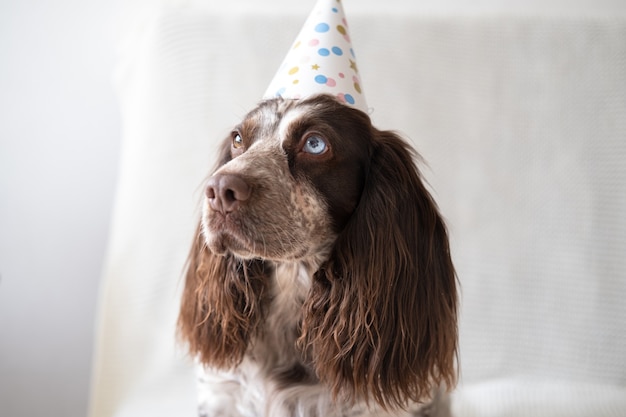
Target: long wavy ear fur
(222, 302)
(222, 305)
(381, 317)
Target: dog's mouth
(229, 234)
(223, 243)
(224, 234)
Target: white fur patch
(288, 119)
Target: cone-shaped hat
(321, 60)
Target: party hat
(321, 60)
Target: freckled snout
(225, 192)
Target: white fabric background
(522, 120)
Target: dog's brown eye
(315, 145)
(237, 141)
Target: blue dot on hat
(320, 79)
(349, 98)
(334, 9)
(337, 50)
(322, 27)
(323, 52)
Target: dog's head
(313, 181)
(291, 175)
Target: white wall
(59, 145)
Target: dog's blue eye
(315, 145)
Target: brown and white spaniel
(320, 281)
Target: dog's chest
(274, 347)
(272, 363)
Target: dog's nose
(226, 191)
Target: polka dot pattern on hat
(321, 60)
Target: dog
(320, 281)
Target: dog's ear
(222, 302)
(381, 318)
(222, 305)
